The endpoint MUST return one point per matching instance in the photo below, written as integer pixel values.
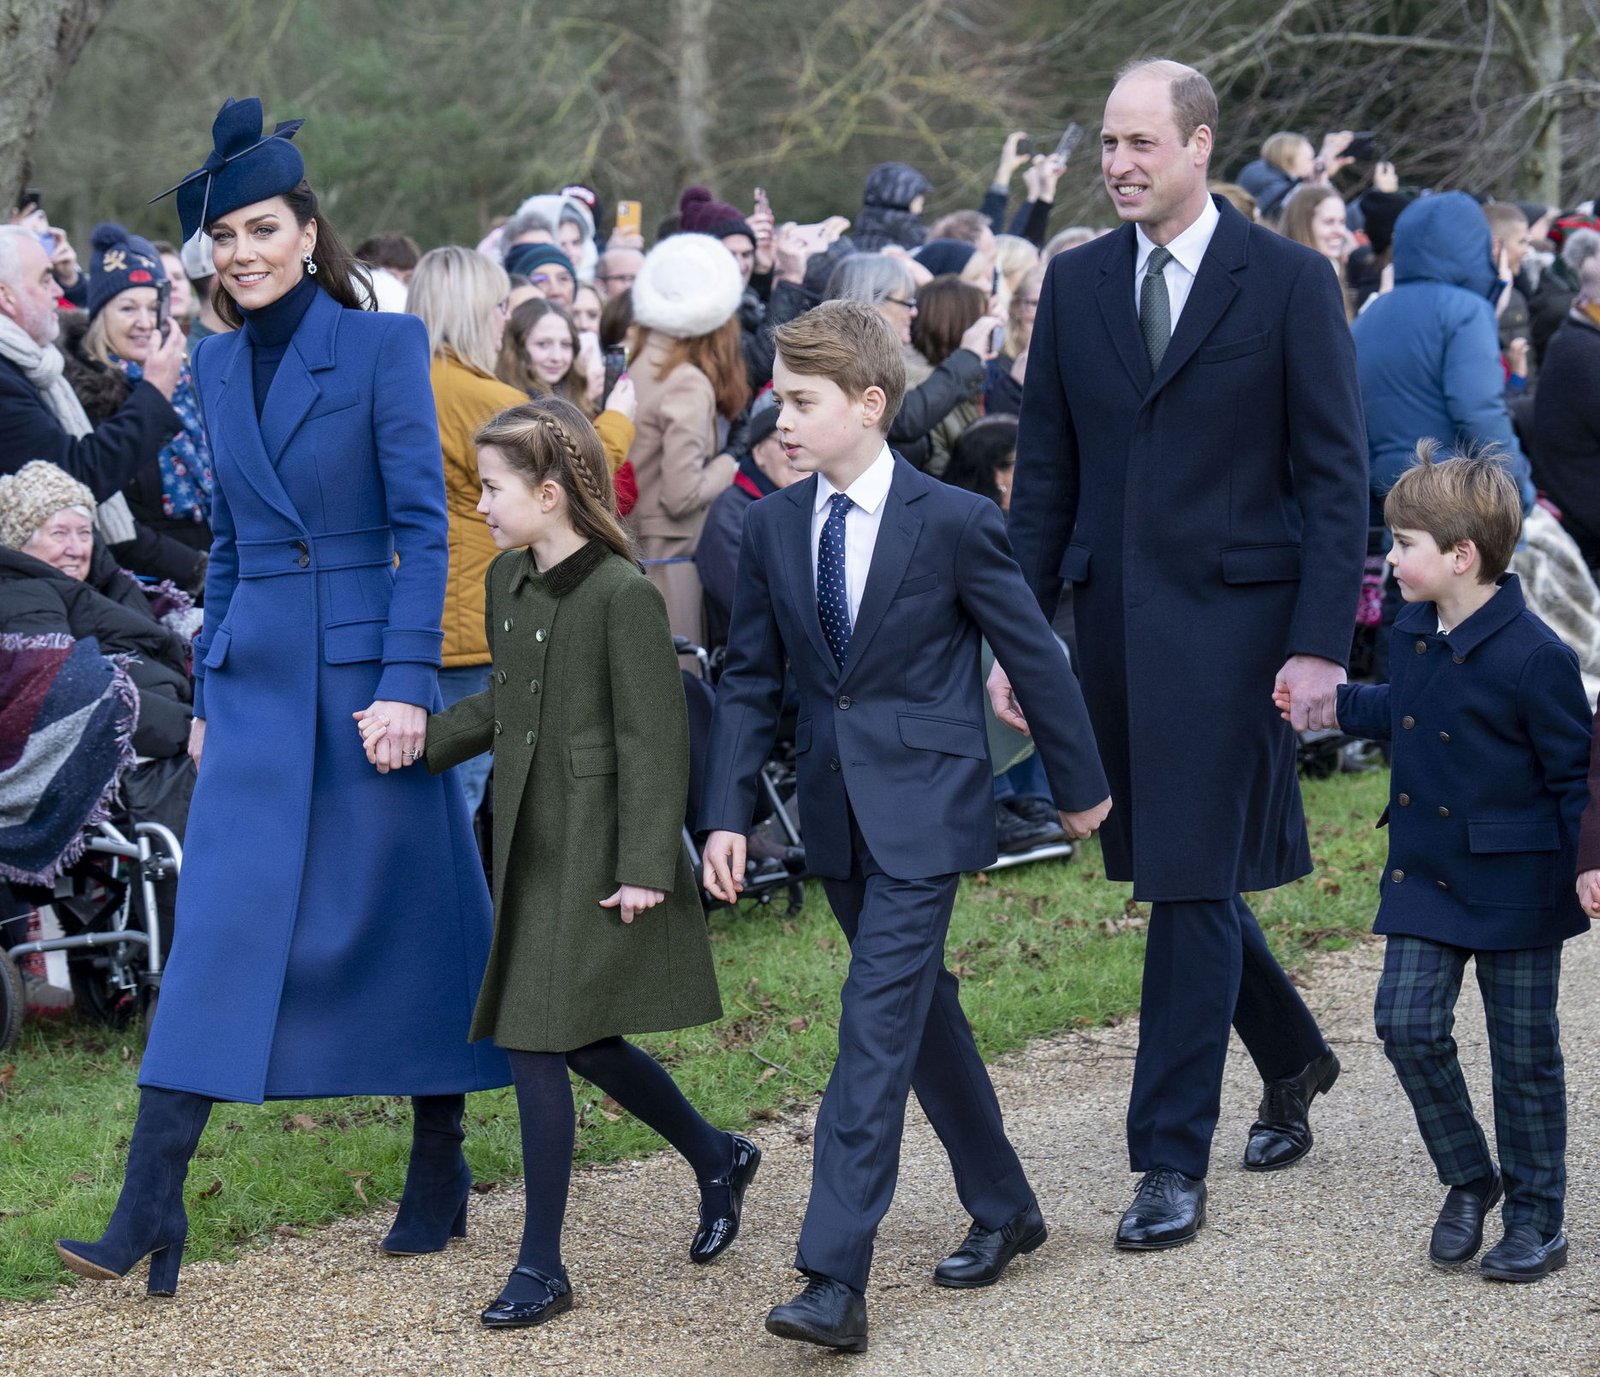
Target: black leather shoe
(1281, 1134)
(1167, 1210)
(1458, 1231)
(1035, 809)
(1523, 1256)
(985, 1252)
(717, 1232)
(1015, 834)
(508, 1314)
(827, 1312)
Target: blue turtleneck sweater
(270, 329)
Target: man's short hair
(1505, 220)
(1464, 496)
(965, 225)
(396, 252)
(850, 344)
(1193, 101)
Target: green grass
(1039, 949)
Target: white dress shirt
(869, 492)
(1187, 250)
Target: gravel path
(1316, 1270)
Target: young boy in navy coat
(874, 584)
(1489, 728)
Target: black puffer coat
(886, 216)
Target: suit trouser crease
(1415, 1015)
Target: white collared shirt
(870, 492)
(1187, 250)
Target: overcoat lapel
(796, 556)
(897, 538)
(1114, 292)
(1213, 292)
(294, 389)
(238, 428)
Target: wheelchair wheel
(96, 994)
(13, 1001)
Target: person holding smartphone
(30, 214)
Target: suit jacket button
(1408, 722)
(833, 763)
(1445, 737)
(844, 702)
(1397, 875)
(1422, 647)
(1405, 800)
(1443, 811)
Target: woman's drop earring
(311, 266)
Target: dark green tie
(1155, 308)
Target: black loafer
(827, 1313)
(984, 1253)
(504, 1314)
(1523, 1256)
(1458, 1231)
(716, 1233)
(1281, 1134)
(1167, 1210)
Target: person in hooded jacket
(891, 208)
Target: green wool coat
(585, 713)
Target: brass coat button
(1422, 647)
(1408, 722)
(1405, 800)
(1445, 737)
(1397, 875)
(1443, 811)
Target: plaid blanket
(67, 715)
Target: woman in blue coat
(333, 921)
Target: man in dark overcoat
(1192, 460)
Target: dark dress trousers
(896, 799)
(1211, 517)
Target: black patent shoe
(827, 1313)
(1523, 1256)
(1168, 1209)
(1458, 1231)
(507, 1314)
(985, 1253)
(1281, 1134)
(718, 1231)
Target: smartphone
(763, 205)
(1024, 145)
(630, 218)
(1071, 137)
(163, 309)
(616, 364)
(997, 340)
(1363, 147)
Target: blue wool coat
(333, 923)
(1489, 728)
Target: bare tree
(42, 39)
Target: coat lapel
(239, 432)
(294, 389)
(1115, 295)
(796, 540)
(1213, 292)
(897, 538)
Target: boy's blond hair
(1464, 496)
(850, 344)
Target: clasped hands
(393, 734)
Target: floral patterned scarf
(185, 460)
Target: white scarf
(44, 367)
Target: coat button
(531, 735)
(1458, 659)
(533, 686)
(1442, 884)
(501, 676)
(1405, 800)
(303, 561)
(844, 702)
(497, 729)
(833, 763)
(540, 634)
(1445, 737)
(1422, 647)
(1408, 722)
(1443, 811)
(508, 623)
(1397, 875)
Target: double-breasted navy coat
(1489, 729)
(1211, 517)
(333, 923)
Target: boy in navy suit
(1489, 729)
(874, 584)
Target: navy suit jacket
(898, 735)
(1211, 516)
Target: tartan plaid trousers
(1415, 1016)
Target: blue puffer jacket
(1428, 353)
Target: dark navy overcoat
(1489, 729)
(1211, 518)
(332, 923)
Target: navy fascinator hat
(245, 165)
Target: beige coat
(674, 454)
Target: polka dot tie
(1155, 307)
(833, 594)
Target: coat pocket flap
(593, 760)
(1261, 564)
(1075, 564)
(346, 643)
(1537, 834)
(943, 734)
(911, 587)
(1224, 350)
(217, 651)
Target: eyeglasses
(899, 301)
(1031, 301)
(625, 278)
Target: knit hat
(244, 166)
(945, 257)
(32, 495)
(117, 261)
(526, 258)
(1379, 211)
(688, 285)
(698, 213)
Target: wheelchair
(113, 933)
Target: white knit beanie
(32, 495)
(689, 285)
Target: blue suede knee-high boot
(433, 1207)
(149, 1219)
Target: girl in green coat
(598, 926)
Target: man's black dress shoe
(1015, 834)
(1281, 1134)
(1523, 1256)
(984, 1253)
(827, 1312)
(1458, 1231)
(1167, 1210)
(1035, 809)
(717, 1232)
(508, 1314)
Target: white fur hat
(689, 285)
